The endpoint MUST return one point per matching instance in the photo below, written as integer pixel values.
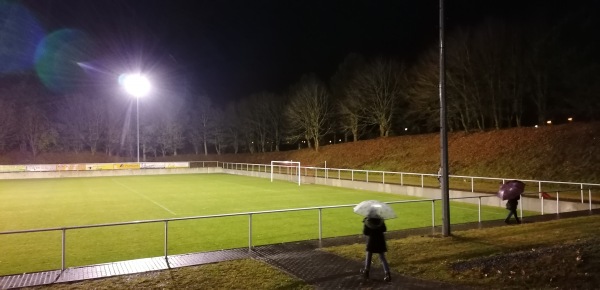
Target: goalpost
(289, 165)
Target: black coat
(374, 229)
(512, 204)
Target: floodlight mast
(443, 132)
(138, 86)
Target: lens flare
(58, 58)
(20, 33)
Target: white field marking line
(144, 196)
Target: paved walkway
(303, 260)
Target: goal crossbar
(292, 164)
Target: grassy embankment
(569, 152)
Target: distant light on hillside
(570, 119)
(549, 122)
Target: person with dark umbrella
(374, 229)
(511, 205)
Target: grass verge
(561, 254)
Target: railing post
(590, 197)
(422, 182)
(367, 173)
(557, 204)
(63, 251)
(383, 177)
(249, 232)
(320, 227)
(352, 175)
(433, 213)
(401, 178)
(339, 174)
(479, 208)
(166, 239)
(542, 205)
(472, 185)
(582, 193)
(521, 209)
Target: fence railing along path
(569, 190)
(402, 178)
(250, 231)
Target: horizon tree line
(498, 75)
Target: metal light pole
(443, 133)
(138, 86)
(137, 114)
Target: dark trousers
(512, 212)
(384, 262)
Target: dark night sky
(231, 49)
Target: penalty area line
(144, 196)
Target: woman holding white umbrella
(374, 228)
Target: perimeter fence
(167, 223)
(565, 191)
(482, 189)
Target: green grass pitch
(48, 203)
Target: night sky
(230, 49)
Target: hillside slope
(569, 152)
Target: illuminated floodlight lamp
(570, 119)
(549, 122)
(136, 85)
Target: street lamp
(138, 86)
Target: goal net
(286, 170)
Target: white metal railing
(166, 222)
(196, 164)
(351, 174)
(391, 177)
(385, 176)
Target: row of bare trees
(498, 75)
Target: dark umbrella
(511, 190)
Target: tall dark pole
(443, 133)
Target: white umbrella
(375, 208)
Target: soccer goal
(291, 169)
